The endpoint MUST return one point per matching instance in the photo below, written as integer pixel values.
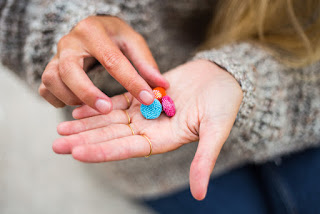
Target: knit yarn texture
(279, 113)
(152, 111)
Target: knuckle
(111, 60)
(84, 25)
(65, 66)
(48, 77)
(64, 41)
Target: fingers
(51, 80)
(136, 49)
(77, 126)
(109, 55)
(84, 112)
(119, 102)
(66, 79)
(76, 79)
(210, 144)
(47, 95)
(122, 101)
(66, 144)
(117, 149)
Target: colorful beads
(162, 102)
(159, 92)
(152, 111)
(168, 106)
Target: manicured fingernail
(146, 97)
(103, 106)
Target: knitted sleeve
(280, 107)
(28, 40)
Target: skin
(111, 42)
(207, 100)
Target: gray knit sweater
(279, 113)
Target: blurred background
(33, 179)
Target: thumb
(210, 143)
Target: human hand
(207, 100)
(113, 43)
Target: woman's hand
(207, 100)
(113, 43)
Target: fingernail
(146, 97)
(103, 106)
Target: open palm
(207, 100)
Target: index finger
(119, 67)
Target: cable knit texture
(280, 109)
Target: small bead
(159, 92)
(168, 106)
(152, 111)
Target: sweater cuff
(239, 60)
